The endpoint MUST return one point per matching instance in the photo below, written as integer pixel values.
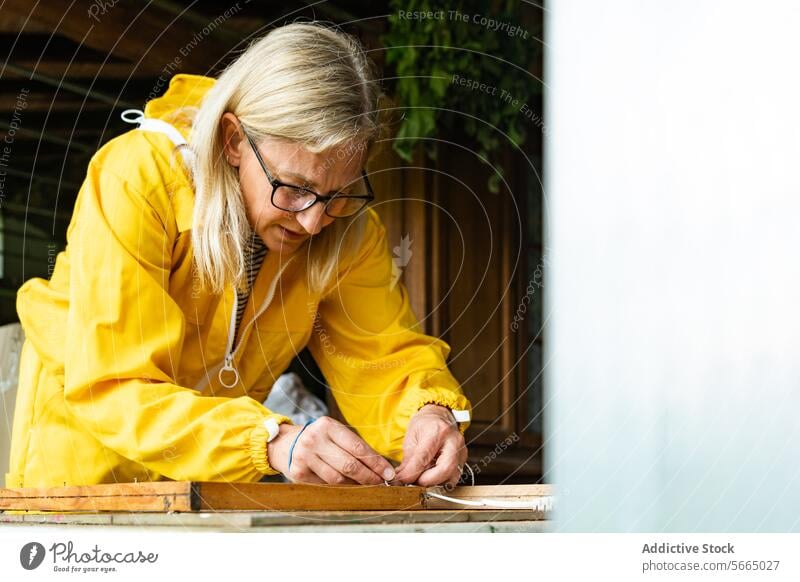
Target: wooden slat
(124, 29)
(163, 503)
(451, 515)
(241, 520)
(41, 101)
(151, 496)
(497, 491)
(189, 496)
(305, 497)
(82, 69)
(505, 493)
(185, 496)
(16, 23)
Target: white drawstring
(136, 116)
(472, 474)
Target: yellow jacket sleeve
(368, 344)
(124, 336)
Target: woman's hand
(434, 451)
(327, 452)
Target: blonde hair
(305, 83)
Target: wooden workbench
(274, 507)
(440, 521)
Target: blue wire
(291, 449)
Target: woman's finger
(323, 455)
(310, 468)
(346, 464)
(329, 474)
(302, 473)
(445, 469)
(417, 460)
(354, 445)
(448, 465)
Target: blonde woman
(207, 247)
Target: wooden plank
(149, 496)
(449, 515)
(246, 520)
(191, 496)
(126, 30)
(186, 496)
(305, 497)
(46, 101)
(411, 521)
(84, 69)
(497, 491)
(96, 504)
(502, 493)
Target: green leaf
(494, 183)
(424, 84)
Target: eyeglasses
(291, 198)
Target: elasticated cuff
(448, 399)
(258, 444)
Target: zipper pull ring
(228, 367)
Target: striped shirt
(254, 254)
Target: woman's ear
(232, 138)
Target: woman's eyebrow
(308, 183)
(299, 177)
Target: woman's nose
(313, 219)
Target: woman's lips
(290, 235)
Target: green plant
(439, 53)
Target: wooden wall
(465, 277)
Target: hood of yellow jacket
(175, 106)
(178, 106)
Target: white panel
(673, 192)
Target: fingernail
(388, 474)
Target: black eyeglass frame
(275, 183)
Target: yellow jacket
(119, 373)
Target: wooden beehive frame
(190, 496)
